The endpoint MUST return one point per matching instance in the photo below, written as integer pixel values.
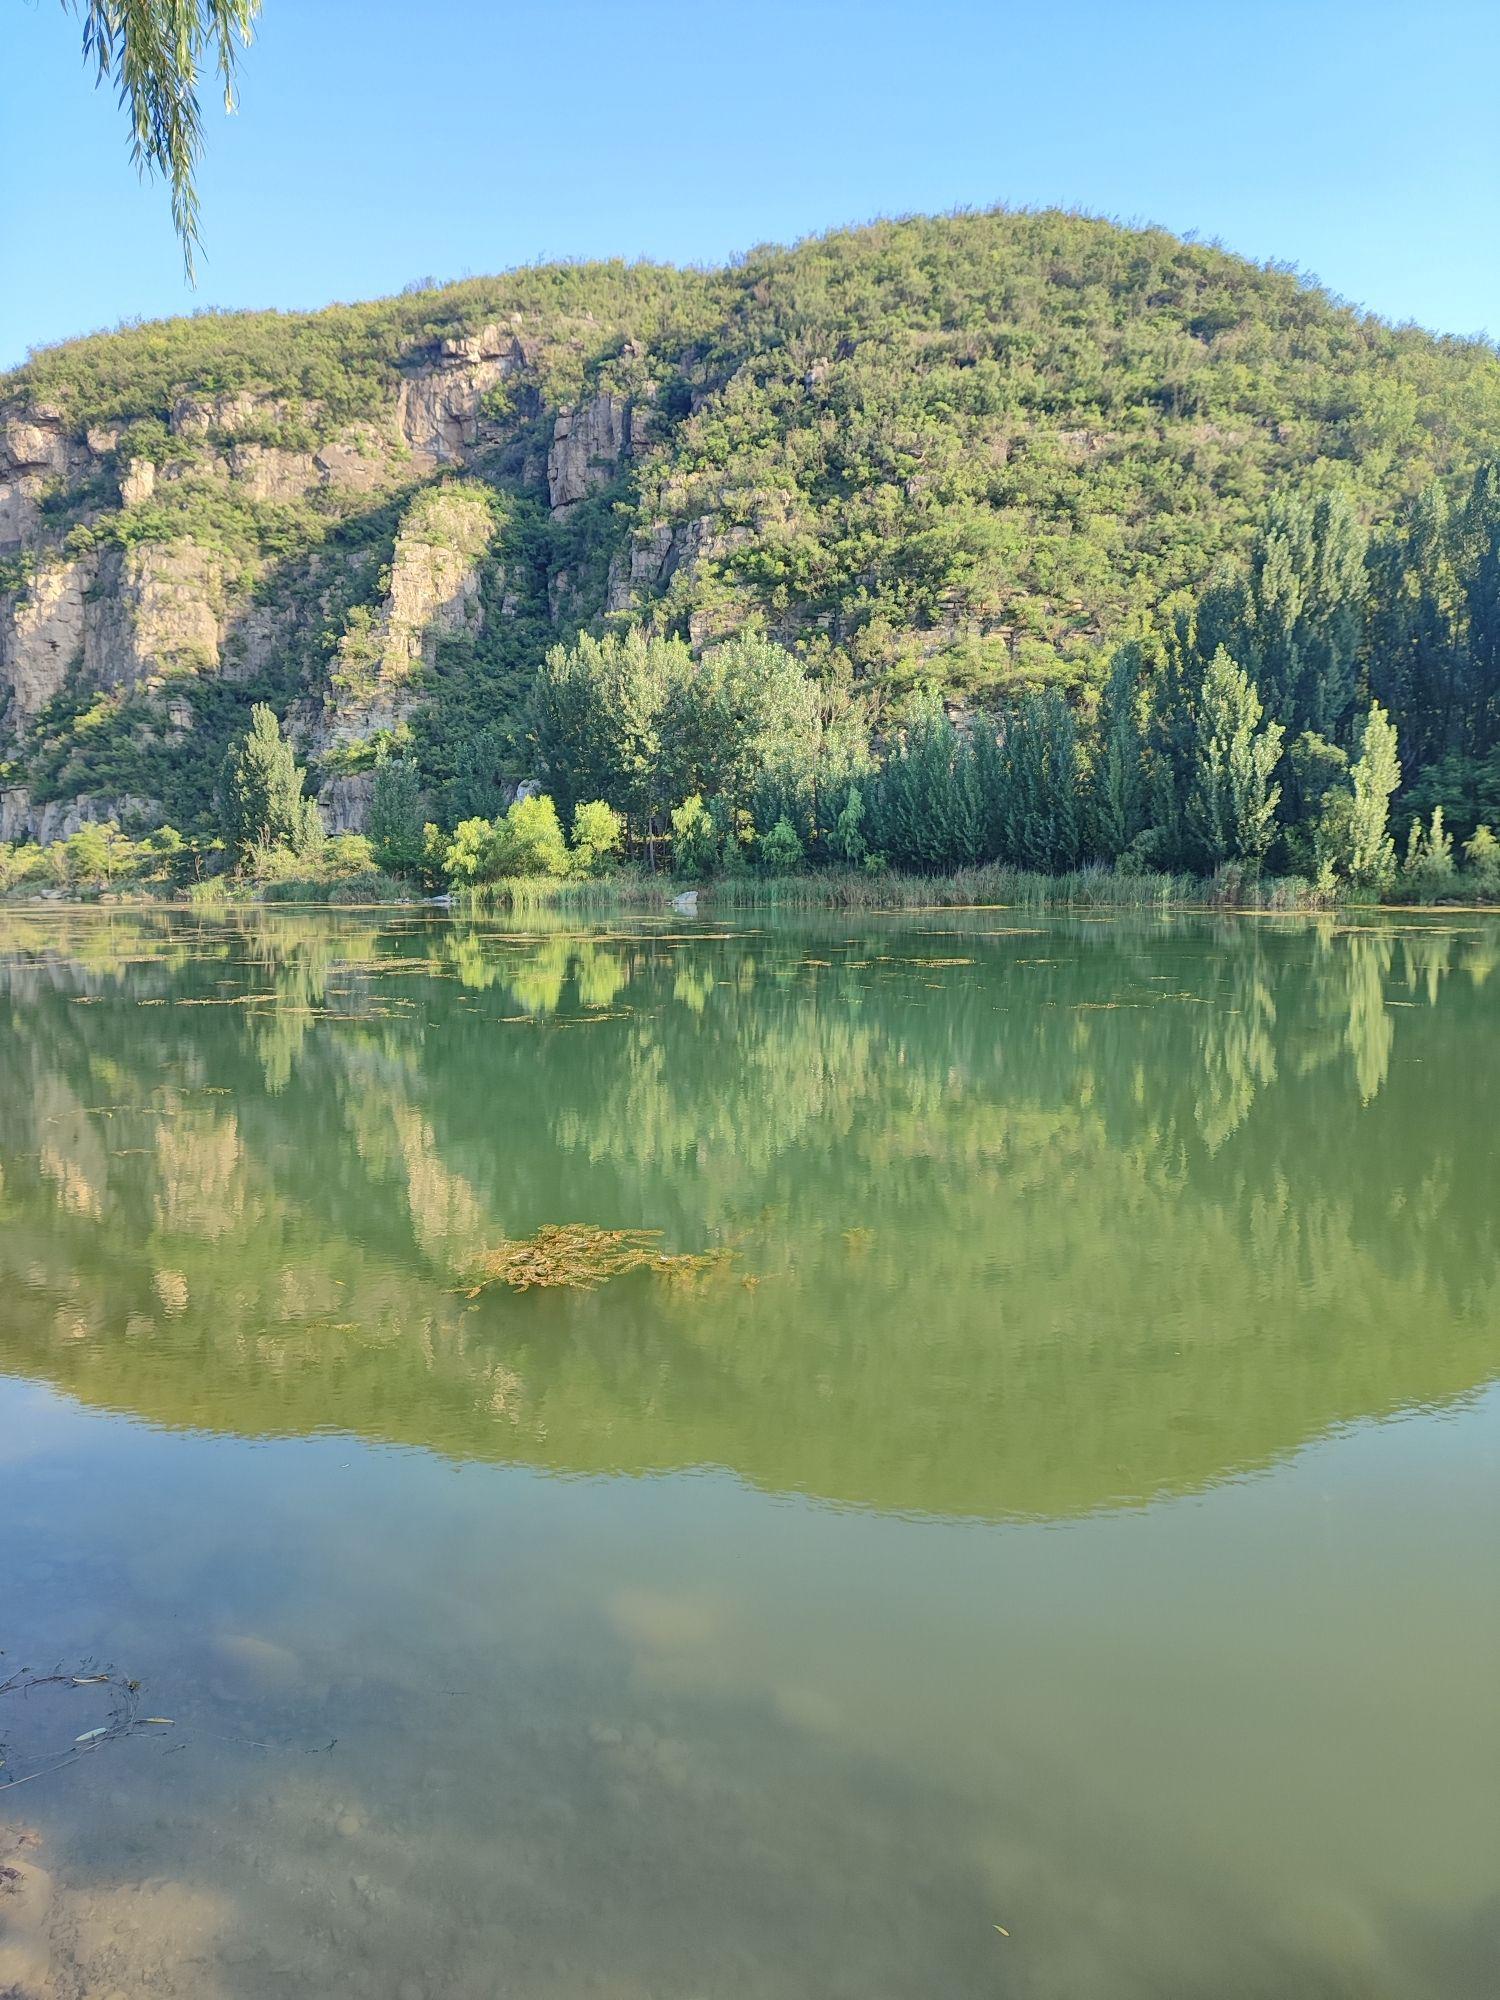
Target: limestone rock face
(34, 450)
(135, 613)
(433, 593)
(651, 558)
(112, 620)
(587, 446)
(230, 415)
(59, 819)
(41, 640)
(440, 402)
(137, 482)
(15, 813)
(268, 473)
(155, 607)
(33, 443)
(345, 802)
(434, 580)
(358, 460)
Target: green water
(1071, 1505)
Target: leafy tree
(927, 813)
(598, 836)
(1119, 794)
(470, 854)
(780, 850)
(1479, 530)
(1172, 674)
(734, 832)
(476, 789)
(1467, 788)
(93, 854)
(435, 871)
(849, 843)
(1231, 807)
(260, 802)
(1374, 778)
(1435, 623)
(1316, 773)
(596, 717)
(152, 51)
(1029, 784)
(1295, 617)
(747, 706)
(695, 839)
(166, 853)
(396, 825)
(1063, 779)
(1482, 860)
(529, 840)
(1427, 870)
(1417, 639)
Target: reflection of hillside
(1070, 1220)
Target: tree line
(1265, 724)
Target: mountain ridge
(966, 453)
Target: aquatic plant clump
(581, 1256)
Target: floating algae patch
(581, 1256)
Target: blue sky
(378, 143)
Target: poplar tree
(1374, 777)
(1295, 618)
(396, 825)
(596, 719)
(1231, 808)
(260, 802)
(1417, 625)
(1479, 529)
(1063, 778)
(1119, 787)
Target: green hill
(965, 453)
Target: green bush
(780, 851)
(695, 840)
(1428, 873)
(529, 840)
(598, 837)
(1482, 864)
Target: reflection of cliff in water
(1045, 1218)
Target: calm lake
(1051, 1553)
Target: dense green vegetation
(1015, 538)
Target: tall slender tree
(1119, 804)
(1231, 807)
(1294, 618)
(396, 822)
(1374, 777)
(260, 802)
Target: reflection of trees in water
(1236, 1050)
(1094, 1215)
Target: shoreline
(990, 888)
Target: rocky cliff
(133, 579)
(961, 453)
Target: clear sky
(379, 142)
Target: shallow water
(1052, 1554)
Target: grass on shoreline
(993, 884)
(857, 889)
